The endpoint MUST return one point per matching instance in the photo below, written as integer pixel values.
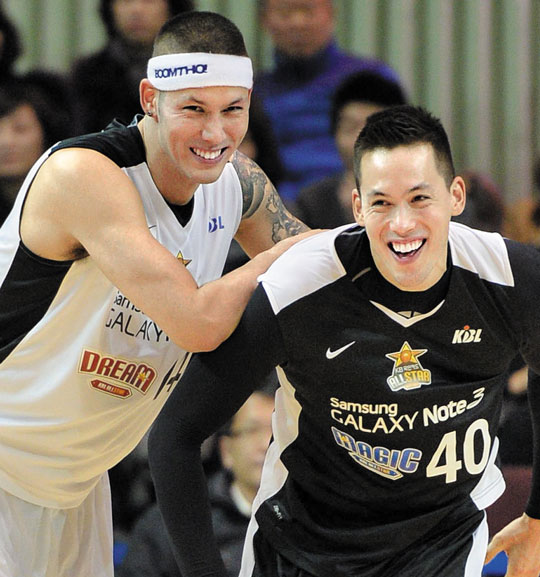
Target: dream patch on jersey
(408, 373)
(125, 375)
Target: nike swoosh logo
(332, 354)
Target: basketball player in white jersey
(108, 282)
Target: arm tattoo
(258, 191)
(253, 182)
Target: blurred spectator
(485, 207)
(106, 84)
(328, 203)
(53, 86)
(523, 222)
(29, 124)
(308, 66)
(242, 447)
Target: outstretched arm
(213, 388)
(82, 204)
(520, 539)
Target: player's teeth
(407, 246)
(209, 155)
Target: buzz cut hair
(199, 31)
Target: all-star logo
(184, 261)
(408, 373)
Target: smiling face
(406, 205)
(195, 132)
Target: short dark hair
(199, 31)
(44, 97)
(11, 46)
(105, 11)
(365, 86)
(401, 126)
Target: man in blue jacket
(296, 93)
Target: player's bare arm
(81, 204)
(265, 219)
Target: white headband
(199, 69)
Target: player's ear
(148, 97)
(357, 207)
(459, 195)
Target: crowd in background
(305, 115)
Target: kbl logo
(467, 335)
(215, 224)
(181, 70)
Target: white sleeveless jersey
(83, 372)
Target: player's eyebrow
(375, 192)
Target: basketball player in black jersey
(392, 340)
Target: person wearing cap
(110, 268)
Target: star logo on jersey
(408, 373)
(184, 261)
